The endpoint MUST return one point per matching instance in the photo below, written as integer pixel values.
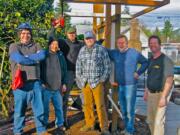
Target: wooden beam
(145, 11)
(90, 15)
(98, 8)
(117, 20)
(125, 2)
(108, 26)
(149, 9)
(94, 20)
(85, 16)
(115, 115)
(94, 24)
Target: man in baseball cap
(27, 55)
(89, 34)
(92, 70)
(70, 49)
(71, 30)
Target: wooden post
(94, 24)
(108, 26)
(97, 8)
(134, 41)
(115, 115)
(118, 20)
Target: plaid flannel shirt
(92, 67)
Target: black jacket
(63, 69)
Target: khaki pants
(96, 96)
(156, 115)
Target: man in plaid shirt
(92, 70)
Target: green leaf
(17, 14)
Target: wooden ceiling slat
(126, 2)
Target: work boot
(86, 128)
(60, 130)
(66, 124)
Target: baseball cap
(24, 26)
(71, 30)
(89, 34)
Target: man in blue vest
(27, 55)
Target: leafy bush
(13, 12)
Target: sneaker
(105, 132)
(86, 128)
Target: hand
(57, 24)
(145, 97)
(64, 88)
(136, 76)
(101, 80)
(162, 102)
(114, 84)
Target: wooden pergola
(98, 7)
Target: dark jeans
(71, 81)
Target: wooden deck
(77, 120)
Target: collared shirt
(92, 66)
(126, 64)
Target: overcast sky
(87, 8)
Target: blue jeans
(56, 98)
(127, 99)
(30, 93)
